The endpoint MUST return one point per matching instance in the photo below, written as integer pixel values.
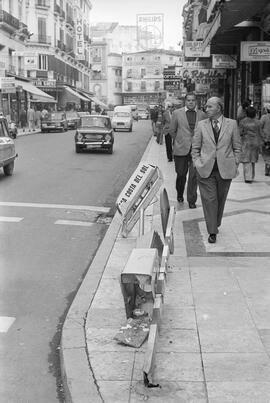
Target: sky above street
(125, 11)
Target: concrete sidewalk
(214, 344)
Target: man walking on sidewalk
(31, 119)
(216, 152)
(183, 123)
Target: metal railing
(45, 39)
(8, 19)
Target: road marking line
(70, 222)
(56, 206)
(5, 323)
(10, 219)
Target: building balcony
(43, 39)
(43, 3)
(8, 22)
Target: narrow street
(54, 212)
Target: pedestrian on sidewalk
(31, 119)
(251, 139)
(241, 111)
(37, 118)
(23, 118)
(154, 117)
(265, 123)
(159, 125)
(167, 117)
(183, 124)
(216, 152)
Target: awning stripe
(37, 94)
(76, 94)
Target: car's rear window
(72, 115)
(88, 121)
(55, 116)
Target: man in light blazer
(216, 151)
(184, 121)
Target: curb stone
(78, 379)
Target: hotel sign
(220, 61)
(79, 39)
(255, 51)
(195, 49)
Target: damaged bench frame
(146, 270)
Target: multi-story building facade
(143, 79)
(13, 34)
(59, 49)
(237, 34)
(109, 41)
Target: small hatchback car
(94, 133)
(122, 121)
(7, 148)
(54, 121)
(73, 119)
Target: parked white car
(122, 120)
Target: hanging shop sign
(255, 51)
(195, 49)
(7, 85)
(202, 64)
(79, 39)
(220, 61)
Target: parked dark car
(73, 119)
(94, 133)
(54, 121)
(7, 148)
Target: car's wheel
(114, 130)
(130, 129)
(78, 149)
(8, 169)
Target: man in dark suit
(216, 151)
(184, 121)
(167, 117)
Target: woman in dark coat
(23, 118)
(251, 139)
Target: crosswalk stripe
(10, 219)
(57, 206)
(70, 222)
(5, 323)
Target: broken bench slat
(149, 357)
(169, 238)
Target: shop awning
(98, 102)
(36, 93)
(75, 94)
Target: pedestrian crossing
(10, 219)
(78, 223)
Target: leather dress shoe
(180, 199)
(192, 205)
(212, 238)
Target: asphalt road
(54, 212)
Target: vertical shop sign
(79, 39)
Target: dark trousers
(214, 191)
(184, 165)
(168, 143)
